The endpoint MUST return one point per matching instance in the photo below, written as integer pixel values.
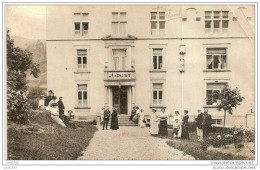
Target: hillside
(44, 139)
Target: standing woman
(178, 116)
(185, 127)
(163, 127)
(114, 120)
(141, 119)
(154, 123)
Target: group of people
(105, 116)
(137, 115)
(56, 108)
(179, 124)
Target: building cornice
(150, 38)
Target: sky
(27, 21)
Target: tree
(19, 61)
(226, 99)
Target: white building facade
(150, 56)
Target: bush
(192, 126)
(34, 96)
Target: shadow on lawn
(43, 139)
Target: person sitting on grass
(41, 103)
(67, 121)
(55, 114)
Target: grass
(199, 150)
(43, 139)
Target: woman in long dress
(163, 127)
(141, 119)
(114, 120)
(185, 128)
(154, 123)
(178, 116)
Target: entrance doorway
(120, 98)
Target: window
(157, 23)
(216, 58)
(82, 95)
(82, 59)
(216, 21)
(119, 23)
(157, 94)
(77, 28)
(157, 59)
(81, 25)
(213, 88)
(216, 121)
(119, 59)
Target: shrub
(192, 126)
(19, 61)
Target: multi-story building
(150, 56)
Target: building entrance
(119, 95)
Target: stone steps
(123, 120)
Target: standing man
(207, 121)
(199, 127)
(106, 117)
(61, 107)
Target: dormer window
(158, 23)
(216, 21)
(119, 24)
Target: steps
(123, 120)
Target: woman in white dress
(179, 118)
(154, 122)
(53, 100)
(55, 114)
(141, 119)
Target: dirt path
(130, 143)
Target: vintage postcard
(115, 81)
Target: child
(176, 128)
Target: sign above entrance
(121, 75)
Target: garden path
(130, 143)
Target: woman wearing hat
(154, 122)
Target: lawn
(204, 151)
(43, 139)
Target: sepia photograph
(127, 82)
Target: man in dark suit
(61, 107)
(106, 118)
(207, 121)
(199, 125)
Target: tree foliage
(226, 99)
(19, 61)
